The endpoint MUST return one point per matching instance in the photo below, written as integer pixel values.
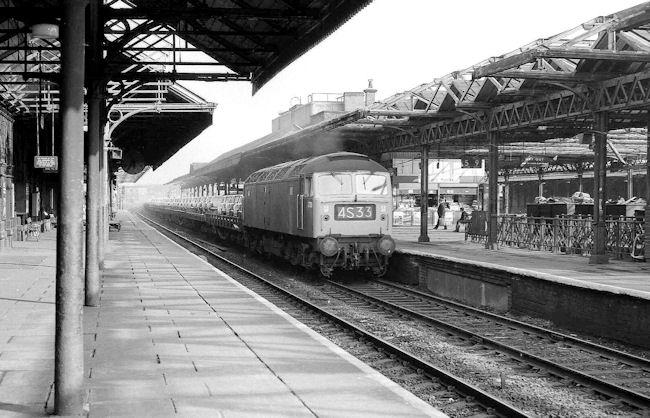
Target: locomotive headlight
(326, 218)
(328, 246)
(382, 217)
(386, 245)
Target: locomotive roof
(338, 161)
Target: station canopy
(148, 46)
(547, 90)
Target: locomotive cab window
(306, 186)
(334, 184)
(371, 184)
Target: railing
(567, 235)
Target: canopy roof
(546, 90)
(549, 88)
(147, 40)
(147, 45)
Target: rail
(538, 347)
(562, 235)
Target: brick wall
(6, 174)
(600, 313)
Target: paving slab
(175, 337)
(197, 343)
(27, 326)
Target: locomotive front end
(352, 220)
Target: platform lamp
(44, 31)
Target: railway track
(464, 398)
(614, 374)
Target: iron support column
(630, 183)
(105, 194)
(110, 198)
(647, 193)
(493, 189)
(93, 197)
(69, 353)
(95, 138)
(101, 246)
(506, 193)
(424, 194)
(580, 175)
(598, 255)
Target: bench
(467, 221)
(31, 230)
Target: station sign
(535, 161)
(471, 162)
(49, 163)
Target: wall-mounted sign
(115, 153)
(49, 163)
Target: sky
(397, 43)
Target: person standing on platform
(442, 209)
(464, 218)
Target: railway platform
(609, 300)
(173, 336)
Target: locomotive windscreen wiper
(379, 187)
(337, 178)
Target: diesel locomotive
(329, 212)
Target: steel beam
(237, 32)
(144, 76)
(424, 195)
(594, 54)
(108, 13)
(154, 76)
(26, 13)
(179, 13)
(493, 69)
(127, 48)
(502, 64)
(557, 76)
(69, 353)
(598, 255)
(170, 63)
(622, 93)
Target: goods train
(329, 212)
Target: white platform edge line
(407, 396)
